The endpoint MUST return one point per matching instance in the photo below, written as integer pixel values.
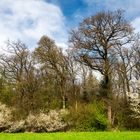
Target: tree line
(52, 78)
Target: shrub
(42, 122)
(88, 118)
(5, 117)
(39, 122)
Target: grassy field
(73, 136)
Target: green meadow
(72, 136)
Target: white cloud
(136, 24)
(28, 20)
(132, 7)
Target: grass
(73, 136)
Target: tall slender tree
(51, 57)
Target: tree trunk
(64, 102)
(113, 118)
(124, 90)
(76, 105)
(127, 84)
(109, 98)
(109, 114)
(108, 90)
(63, 95)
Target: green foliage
(6, 95)
(89, 117)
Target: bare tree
(73, 71)
(94, 42)
(18, 68)
(125, 66)
(136, 58)
(15, 61)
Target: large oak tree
(94, 43)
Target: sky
(28, 20)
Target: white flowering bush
(16, 126)
(41, 122)
(5, 117)
(135, 104)
(134, 99)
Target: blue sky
(28, 20)
(75, 10)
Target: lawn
(73, 136)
